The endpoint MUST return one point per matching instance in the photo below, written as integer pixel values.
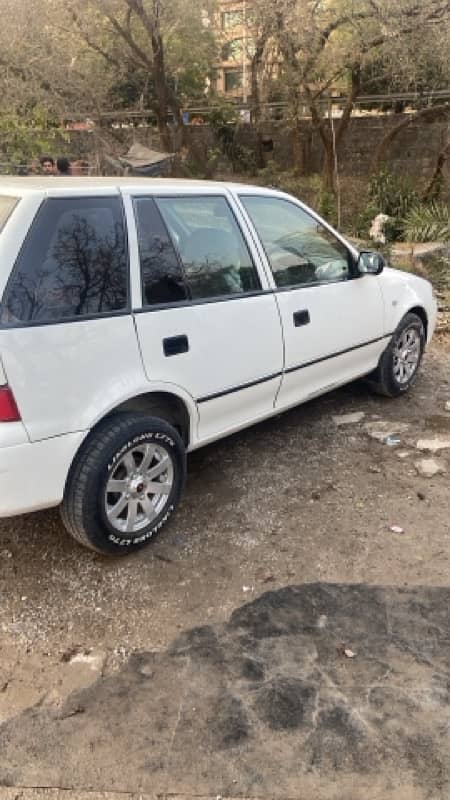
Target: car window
(299, 248)
(213, 251)
(73, 263)
(161, 271)
(7, 206)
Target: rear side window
(74, 263)
(213, 251)
(7, 206)
(161, 272)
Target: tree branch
(127, 36)
(440, 110)
(90, 42)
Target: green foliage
(388, 194)
(427, 223)
(327, 206)
(310, 190)
(391, 194)
(225, 124)
(26, 136)
(273, 177)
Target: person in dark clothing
(63, 166)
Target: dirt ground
(301, 499)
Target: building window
(232, 51)
(233, 80)
(232, 19)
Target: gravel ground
(297, 499)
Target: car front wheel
(125, 483)
(400, 361)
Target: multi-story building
(235, 28)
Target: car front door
(332, 317)
(207, 323)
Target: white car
(141, 319)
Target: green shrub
(308, 189)
(427, 223)
(391, 194)
(388, 194)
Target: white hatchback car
(141, 319)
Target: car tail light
(8, 406)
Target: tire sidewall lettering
(120, 542)
(162, 438)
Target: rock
(396, 529)
(78, 669)
(428, 467)
(447, 405)
(438, 443)
(349, 419)
(383, 429)
(402, 453)
(89, 658)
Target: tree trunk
(328, 169)
(299, 148)
(161, 92)
(434, 187)
(256, 97)
(321, 127)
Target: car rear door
(207, 323)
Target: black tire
(384, 380)
(84, 511)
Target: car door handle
(175, 345)
(301, 318)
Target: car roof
(25, 185)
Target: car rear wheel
(125, 483)
(400, 362)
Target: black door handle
(175, 345)
(301, 318)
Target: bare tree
(326, 45)
(142, 31)
(75, 55)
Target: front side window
(215, 257)
(299, 248)
(73, 263)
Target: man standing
(48, 165)
(63, 166)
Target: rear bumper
(33, 474)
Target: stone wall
(413, 152)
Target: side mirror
(370, 263)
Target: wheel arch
(420, 312)
(166, 405)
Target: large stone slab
(267, 705)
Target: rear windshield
(7, 206)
